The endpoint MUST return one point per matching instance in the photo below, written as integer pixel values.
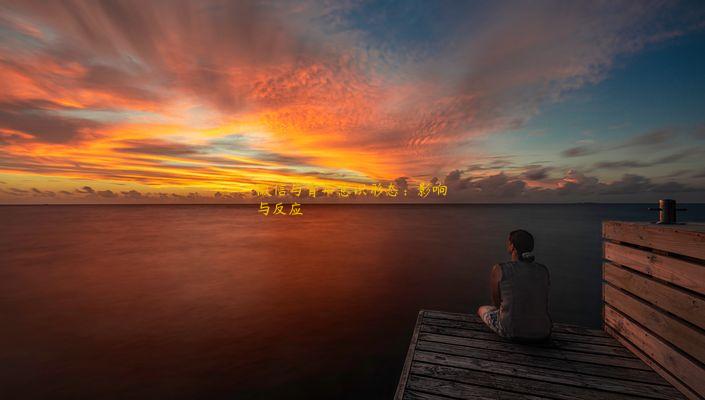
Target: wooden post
(654, 297)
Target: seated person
(519, 293)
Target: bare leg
(485, 309)
(490, 316)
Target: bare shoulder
(497, 270)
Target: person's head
(520, 244)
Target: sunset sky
(171, 101)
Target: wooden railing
(654, 297)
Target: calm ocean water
(185, 302)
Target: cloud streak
(220, 96)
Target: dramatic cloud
(37, 119)
(86, 189)
(620, 164)
(579, 151)
(537, 173)
(159, 147)
(156, 100)
(682, 155)
(109, 194)
(654, 138)
(572, 186)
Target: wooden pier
(652, 345)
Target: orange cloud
(215, 95)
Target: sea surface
(220, 302)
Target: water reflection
(221, 302)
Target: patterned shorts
(490, 316)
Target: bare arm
(495, 278)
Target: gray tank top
(524, 289)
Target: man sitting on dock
(519, 293)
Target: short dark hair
(522, 240)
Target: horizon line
(329, 203)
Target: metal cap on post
(667, 211)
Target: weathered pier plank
(654, 297)
(456, 356)
(687, 240)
